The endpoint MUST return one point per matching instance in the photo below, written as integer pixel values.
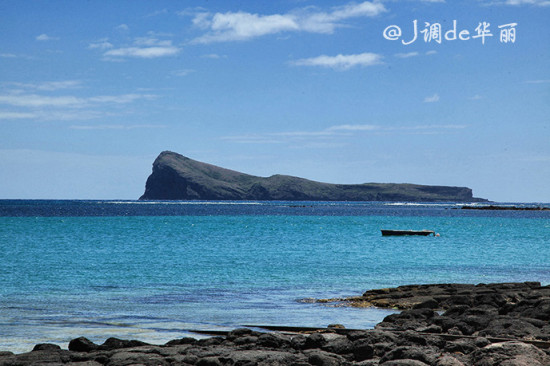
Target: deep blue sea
(154, 270)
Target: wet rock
(507, 327)
(362, 349)
(245, 340)
(338, 344)
(436, 329)
(373, 336)
(405, 362)
(321, 358)
(273, 340)
(537, 309)
(241, 332)
(46, 347)
(422, 354)
(115, 343)
(210, 341)
(125, 358)
(464, 346)
(209, 361)
(263, 357)
(298, 342)
(411, 338)
(82, 344)
(315, 340)
(7, 358)
(510, 353)
(448, 360)
(380, 349)
(181, 341)
(428, 304)
(54, 356)
(408, 319)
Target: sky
(430, 92)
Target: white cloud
(146, 52)
(45, 37)
(432, 99)
(120, 99)
(406, 55)
(341, 62)
(16, 115)
(152, 41)
(50, 85)
(34, 100)
(327, 135)
(517, 2)
(102, 44)
(354, 128)
(122, 27)
(541, 81)
(8, 55)
(157, 12)
(322, 22)
(113, 127)
(432, 52)
(144, 47)
(213, 56)
(183, 72)
(527, 2)
(476, 97)
(42, 101)
(240, 26)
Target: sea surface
(153, 271)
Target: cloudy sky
(430, 92)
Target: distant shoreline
(506, 208)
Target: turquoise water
(220, 267)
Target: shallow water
(152, 270)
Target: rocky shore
(441, 325)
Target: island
(176, 177)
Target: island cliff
(176, 177)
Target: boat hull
(407, 232)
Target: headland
(176, 177)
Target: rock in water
(176, 177)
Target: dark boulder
(405, 362)
(315, 340)
(507, 327)
(273, 340)
(46, 347)
(362, 350)
(82, 344)
(510, 353)
(422, 354)
(321, 358)
(181, 341)
(125, 358)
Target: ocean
(153, 271)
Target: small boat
(407, 232)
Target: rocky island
(176, 177)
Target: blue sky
(92, 91)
